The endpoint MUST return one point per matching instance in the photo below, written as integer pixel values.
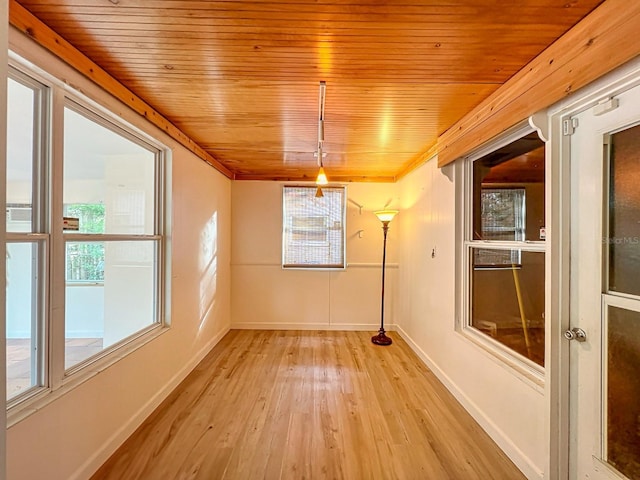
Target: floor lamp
(385, 216)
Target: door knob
(575, 334)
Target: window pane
(508, 192)
(85, 262)
(104, 311)
(623, 390)
(508, 303)
(624, 205)
(503, 213)
(23, 349)
(313, 231)
(105, 170)
(21, 133)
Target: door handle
(577, 334)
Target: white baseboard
(516, 455)
(357, 327)
(91, 465)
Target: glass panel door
(604, 383)
(621, 322)
(622, 415)
(624, 212)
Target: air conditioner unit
(19, 214)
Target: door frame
(558, 214)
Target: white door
(605, 292)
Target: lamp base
(381, 338)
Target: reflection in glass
(21, 132)
(624, 208)
(109, 180)
(115, 302)
(507, 302)
(23, 350)
(508, 192)
(623, 391)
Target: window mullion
(57, 247)
(507, 244)
(107, 237)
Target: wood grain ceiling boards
(241, 78)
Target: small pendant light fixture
(321, 179)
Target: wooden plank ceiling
(241, 78)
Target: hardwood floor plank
(306, 405)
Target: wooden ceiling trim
(602, 41)
(24, 21)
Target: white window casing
(313, 228)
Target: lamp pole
(385, 217)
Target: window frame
(327, 229)
(104, 118)
(38, 234)
(526, 368)
(55, 379)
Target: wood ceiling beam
(24, 21)
(602, 41)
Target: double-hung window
(313, 233)
(111, 231)
(85, 210)
(28, 239)
(504, 251)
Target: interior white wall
(509, 408)
(74, 434)
(263, 295)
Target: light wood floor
(309, 405)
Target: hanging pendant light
(321, 179)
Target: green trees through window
(85, 260)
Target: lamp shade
(322, 177)
(386, 215)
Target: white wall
(74, 434)
(511, 409)
(263, 295)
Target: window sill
(520, 366)
(78, 375)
